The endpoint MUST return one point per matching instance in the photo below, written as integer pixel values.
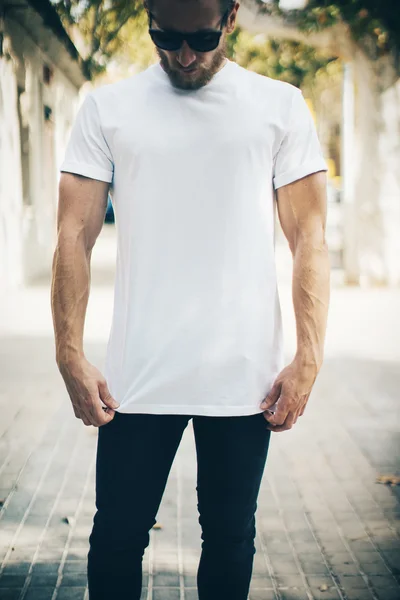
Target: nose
(186, 56)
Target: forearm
(311, 295)
(69, 296)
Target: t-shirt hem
(307, 168)
(87, 171)
(205, 411)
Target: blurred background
(329, 513)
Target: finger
(105, 395)
(107, 417)
(296, 415)
(91, 411)
(305, 404)
(272, 397)
(281, 413)
(98, 416)
(76, 410)
(288, 424)
(86, 412)
(80, 415)
(78, 404)
(111, 413)
(75, 405)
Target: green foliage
(289, 61)
(116, 30)
(136, 47)
(375, 25)
(98, 28)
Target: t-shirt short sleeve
(87, 151)
(300, 152)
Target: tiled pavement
(326, 529)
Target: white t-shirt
(196, 324)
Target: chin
(186, 83)
(179, 80)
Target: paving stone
(166, 580)
(262, 594)
(71, 593)
(10, 593)
(50, 555)
(347, 569)
(77, 554)
(303, 548)
(330, 594)
(383, 582)
(74, 579)
(359, 594)
(190, 581)
(294, 594)
(191, 594)
(44, 568)
(289, 581)
(315, 581)
(333, 546)
(75, 566)
(387, 594)
(166, 593)
(367, 557)
(16, 568)
(278, 547)
(361, 546)
(284, 565)
(377, 567)
(12, 581)
(39, 593)
(260, 582)
(352, 581)
(392, 558)
(21, 554)
(43, 579)
(313, 567)
(387, 545)
(304, 537)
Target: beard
(203, 74)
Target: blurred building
(40, 77)
(367, 205)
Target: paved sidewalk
(326, 529)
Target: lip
(188, 70)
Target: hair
(226, 6)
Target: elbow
(72, 241)
(313, 240)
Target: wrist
(310, 364)
(67, 357)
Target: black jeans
(134, 457)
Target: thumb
(105, 395)
(272, 397)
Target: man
(193, 147)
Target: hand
(291, 390)
(87, 389)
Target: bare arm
(302, 213)
(81, 210)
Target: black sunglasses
(201, 41)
